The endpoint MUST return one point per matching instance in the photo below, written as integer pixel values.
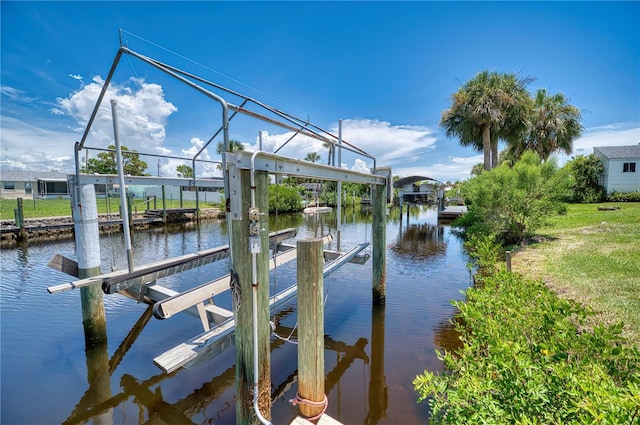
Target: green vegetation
(105, 163)
(62, 207)
(512, 203)
(592, 255)
(586, 172)
(527, 358)
(493, 106)
(185, 171)
(284, 198)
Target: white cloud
(141, 108)
(15, 94)
(27, 147)
(76, 77)
(619, 134)
(455, 168)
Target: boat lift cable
(208, 68)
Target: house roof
(412, 179)
(30, 176)
(619, 151)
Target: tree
(555, 125)
(234, 146)
(105, 163)
(513, 202)
(185, 171)
(312, 157)
(330, 147)
(489, 107)
(586, 173)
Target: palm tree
(555, 125)
(234, 146)
(312, 157)
(329, 146)
(489, 107)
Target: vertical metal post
(339, 189)
(507, 255)
(311, 324)
(379, 242)
(123, 196)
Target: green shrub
(284, 198)
(514, 202)
(526, 358)
(624, 197)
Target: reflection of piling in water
(378, 391)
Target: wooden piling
(19, 217)
(85, 220)
(310, 326)
(379, 244)
(507, 255)
(241, 289)
(164, 207)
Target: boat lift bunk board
(218, 322)
(220, 337)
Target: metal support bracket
(235, 189)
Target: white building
(621, 167)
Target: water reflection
(372, 353)
(420, 240)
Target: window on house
(9, 185)
(629, 167)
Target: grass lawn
(593, 257)
(62, 207)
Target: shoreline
(45, 229)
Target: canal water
(371, 354)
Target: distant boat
(316, 210)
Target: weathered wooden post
(164, 207)
(19, 217)
(241, 289)
(310, 397)
(85, 222)
(379, 244)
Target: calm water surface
(371, 356)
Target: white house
(36, 184)
(621, 167)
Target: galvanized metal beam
(277, 164)
(215, 182)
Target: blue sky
(387, 69)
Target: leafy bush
(624, 197)
(527, 359)
(284, 198)
(514, 202)
(586, 172)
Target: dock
(452, 212)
